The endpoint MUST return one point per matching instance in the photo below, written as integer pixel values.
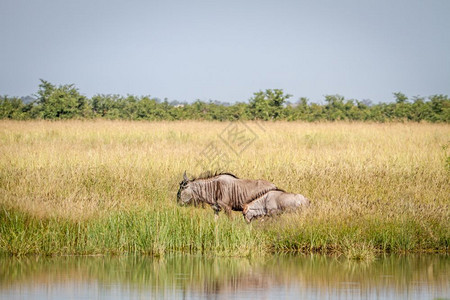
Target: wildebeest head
(251, 213)
(247, 217)
(185, 192)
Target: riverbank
(104, 187)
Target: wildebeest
(272, 203)
(221, 191)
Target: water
(192, 277)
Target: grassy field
(104, 187)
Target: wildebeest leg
(216, 209)
(225, 208)
(223, 201)
(272, 207)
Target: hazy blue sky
(226, 50)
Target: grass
(96, 187)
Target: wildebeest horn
(185, 177)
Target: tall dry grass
(85, 187)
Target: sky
(227, 50)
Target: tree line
(65, 102)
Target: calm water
(190, 277)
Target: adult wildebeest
(221, 191)
(272, 203)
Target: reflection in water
(286, 277)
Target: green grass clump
(138, 232)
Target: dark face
(181, 187)
(184, 195)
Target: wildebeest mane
(210, 174)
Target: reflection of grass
(219, 275)
(88, 187)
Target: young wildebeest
(272, 203)
(221, 191)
